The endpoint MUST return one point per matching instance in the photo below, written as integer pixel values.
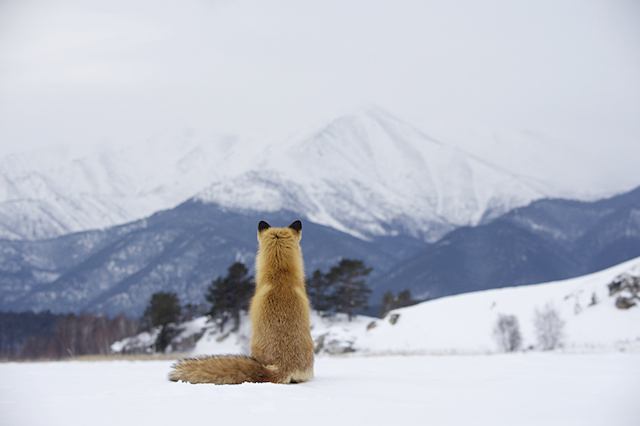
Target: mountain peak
(368, 174)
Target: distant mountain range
(367, 174)
(180, 250)
(103, 232)
(183, 249)
(545, 241)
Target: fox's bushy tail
(222, 370)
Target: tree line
(342, 289)
(44, 335)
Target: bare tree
(548, 327)
(79, 335)
(507, 333)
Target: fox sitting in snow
(281, 344)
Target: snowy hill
(455, 324)
(464, 323)
(365, 173)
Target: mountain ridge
(366, 173)
(369, 174)
(548, 240)
(182, 249)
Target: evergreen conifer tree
(348, 279)
(230, 295)
(390, 302)
(319, 292)
(164, 311)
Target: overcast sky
(81, 73)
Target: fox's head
(268, 234)
(279, 250)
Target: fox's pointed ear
(296, 226)
(263, 225)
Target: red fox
(281, 344)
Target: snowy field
(533, 388)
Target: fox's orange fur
(281, 344)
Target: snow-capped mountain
(365, 173)
(182, 249)
(43, 195)
(370, 174)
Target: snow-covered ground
(445, 370)
(515, 389)
(464, 323)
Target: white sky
(81, 73)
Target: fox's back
(280, 307)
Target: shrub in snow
(548, 327)
(506, 332)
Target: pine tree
(230, 295)
(390, 302)
(319, 292)
(349, 282)
(163, 310)
(404, 299)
